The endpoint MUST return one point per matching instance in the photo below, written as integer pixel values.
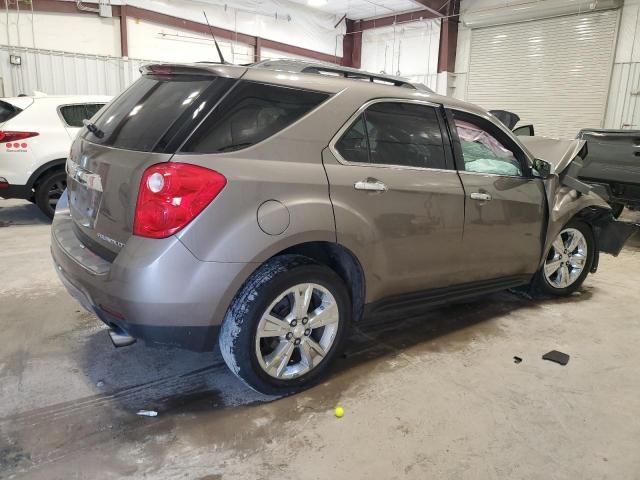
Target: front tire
(49, 191)
(285, 325)
(568, 261)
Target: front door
(398, 201)
(504, 204)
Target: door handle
(370, 185)
(483, 197)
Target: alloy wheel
(55, 192)
(297, 331)
(567, 258)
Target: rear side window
(8, 111)
(152, 108)
(251, 113)
(395, 133)
(73, 115)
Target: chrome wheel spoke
(273, 327)
(558, 244)
(574, 240)
(279, 359)
(552, 267)
(323, 315)
(306, 355)
(302, 298)
(315, 347)
(563, 278)
(577, 261)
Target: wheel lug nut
(297, 342)
(289, 336)
(294, 323)
(307, 332)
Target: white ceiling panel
(359, 9)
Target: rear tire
(572, 252)
(285, 325)
(49, 190)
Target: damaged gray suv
(268, 207)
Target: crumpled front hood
(559, 153)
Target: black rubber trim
(197, 339)
(16, 191)
(419, 301)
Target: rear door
(143, 126)
(397, 198)
(504, 205)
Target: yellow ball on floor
(339, 412)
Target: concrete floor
(432, 397)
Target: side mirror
(541, 168)
(524, 131)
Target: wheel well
(37, 176)
(341, 261)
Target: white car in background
(35, 136)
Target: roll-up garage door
(553, 73)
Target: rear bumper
(155, 290)
(8, 190)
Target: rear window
(8, 111)
(155, 108)
(73, 115)
(251, 113)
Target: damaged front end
(568, 197)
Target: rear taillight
(171, 195)
(15, 136)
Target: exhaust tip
(121, 339)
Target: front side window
(251, 113)
(483, 152)
(395, 133)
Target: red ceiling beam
(361, 25)
(124, 33)
(62, 6)
(351, 46)
(449, 37)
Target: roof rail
(329, 69)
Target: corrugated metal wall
(552, 72)
(623, 107)
(60, 73)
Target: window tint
(8, 111)
(73, 115)
(395, 133)
(405, 134)
(482, 152)
(353, 145)
(251, 113)
(141, 116)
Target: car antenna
(222, 60)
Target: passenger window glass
(353, 144)
(251, 113)
(395, 133)
(483, 153)
(74, 114)
(405, 134)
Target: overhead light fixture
(316, 3)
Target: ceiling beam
(434, 6)
(423, 14)
(66, 7)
